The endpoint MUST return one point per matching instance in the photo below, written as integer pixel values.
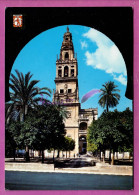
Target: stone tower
(67, 86)
(67, 94)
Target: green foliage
(24, 91)
(10, 143)
(14, 130)
(109, 97)
(113, 130)
(62, 110)
(43, 128)
(25, 95)
(68, 144)
(91, 146)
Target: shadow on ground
(69, 162)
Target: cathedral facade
(67, 94)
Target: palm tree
(109, 97)
(25, 93)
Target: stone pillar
(69, 71)
(62, 71)
(56, 72)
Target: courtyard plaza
(65, 174)
(82, 164)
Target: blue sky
(99, 61)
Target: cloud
(121, 79)
(84, 44)
(106, 57)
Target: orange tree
(43, 128)
(112, 131)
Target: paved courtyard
(84, 164)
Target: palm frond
(46, 88)
(27, 79)
(32, 84)
(24, 90)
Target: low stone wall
(99, 168)
(115, 168)
(29, 166)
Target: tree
(113, 131)
(62, 110)
(109, 97)
(127, 122)
(11, 116)
(10, 144)
(43, 128)
(71, 145)
(13, 136)
(68, 145)
(96, 138)
(24, 94)
(24, 91)
(64, 114)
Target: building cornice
(64, 79)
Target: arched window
(83, 126)
(59, 73)
(72, 72)
(66, 71)
(66, 56)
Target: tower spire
(67, 29)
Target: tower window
(72, 72)
(69, 90)
(83, 126)
(59, 73)
(61, 91)
(66, 56)
(66, 70)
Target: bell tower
(67, 95)
(66, 73)
(66, 92)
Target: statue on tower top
(67, 29)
